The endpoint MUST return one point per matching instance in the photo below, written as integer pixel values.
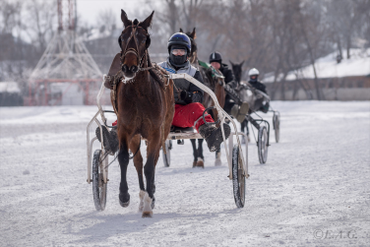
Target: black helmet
(215, 57)
(180, 39)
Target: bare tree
(39, 22)
(275, 36)
(191, 11)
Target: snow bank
(327, 67)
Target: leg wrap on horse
(147, 209)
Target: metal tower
(65, 60)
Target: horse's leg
(123, 159)
(221, 95)
(200, 158)
(154, 144)
(138, 162)
(195, 151)
(244, 126)
(218, 157)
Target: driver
(188, 97)
(254, 82)
(215, 59)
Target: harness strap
(132, 50)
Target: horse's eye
(123, 38)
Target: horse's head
(193, 55)
(134, 42)
(237, 70)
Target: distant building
(10, 94)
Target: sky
(89, 9)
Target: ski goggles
(179, 52)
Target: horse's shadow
(126, 224)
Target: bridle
(127, 50)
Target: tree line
(275, 36)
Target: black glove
(186, 96)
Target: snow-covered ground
(314, 189)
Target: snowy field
(314, 189)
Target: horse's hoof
(147, 214)
(200, 163)
(124, 200)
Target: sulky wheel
(276, 125)
(167, 156)
(262, 144)
(238, 177)
(99, 188)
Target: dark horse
(144, 104)
(216, 85)
(238, 72)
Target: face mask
(253, 78)
(178, 61)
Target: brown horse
(144, 103)
(216, 85)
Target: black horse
(238, 73)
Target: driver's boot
(213, 135)
(110, 139)
(239, 112)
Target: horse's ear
(145, 24)
(231, 63)
(181, 30)
(125, 20)
(241, 64)
(193, 34)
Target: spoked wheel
(276, 124)
(99, 188)
(262, 144)
(238, 177)
(167, 156)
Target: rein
(133, 50)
